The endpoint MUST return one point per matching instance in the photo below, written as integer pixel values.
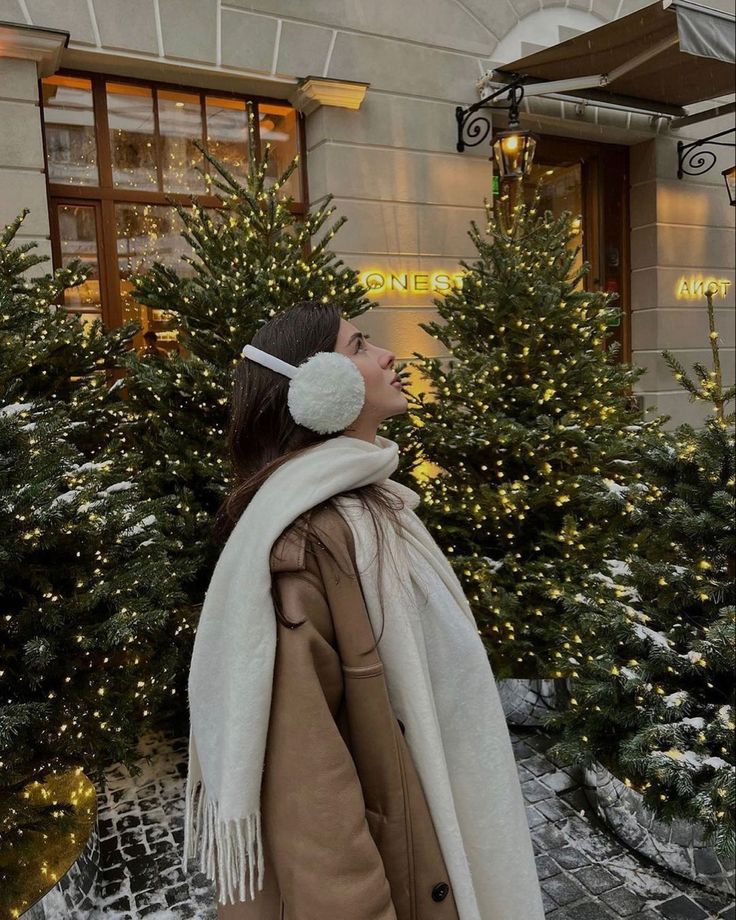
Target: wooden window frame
(102, 272)
(105, 195)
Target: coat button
(401, 726)
(440, 891)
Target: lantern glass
(729, 176)
(513, 152)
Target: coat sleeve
(313, 810)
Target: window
(71, 150)
(116, 149)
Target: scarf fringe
(224, 845)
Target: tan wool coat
(346, 827)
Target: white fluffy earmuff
(326, 393)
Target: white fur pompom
(327, 392)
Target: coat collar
(289, 549)
(287, 552)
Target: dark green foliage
(88, 597)
(534, 432)
(659, 706)
(248, 260)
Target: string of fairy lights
(511, 503)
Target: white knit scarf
(437, 672)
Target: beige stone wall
(682, 233)
(22, 178)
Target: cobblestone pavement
(585, 874)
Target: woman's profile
(349, 759)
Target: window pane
(227, 133)
(78, 238)
(180, 121)
(278, 127)
(132, 138)
(148, 233)
(71, 153)
(562, 190)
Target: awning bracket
(642, 58)
(692, 161)
(599, 79)
(475, 125)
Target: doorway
(592, 181)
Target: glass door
(80, 239)
(591, 180)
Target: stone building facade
(373, 87)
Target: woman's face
(382, 398)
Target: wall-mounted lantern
(729, 176)
(513, 149)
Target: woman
(381, 783)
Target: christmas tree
(657, 707)
(248, 260)
(534, 434)
(87, 592)
(54, 354)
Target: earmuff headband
(326, 392)
(269, 360)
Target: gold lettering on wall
(379, 281)
(695, 287)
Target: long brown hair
(262, 435)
